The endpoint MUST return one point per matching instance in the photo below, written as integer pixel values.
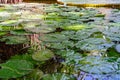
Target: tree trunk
(10, 1)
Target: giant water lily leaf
(68, 33)
(36, 74)
(2, 9)
(4, 15)
(71, 57)
(113, 33)
(10, 23)
(93, 44)
(113, 16)
(100, 15)
(9, 28)
(15, 68)
(53, 38)
(20, 32)
(98, 65)
(55, 45)
(40, 29)
(60, 45)
(30, 24)
(37, 27)
(113, 24)
(14, 39)
(113, 52)
(58, 76)
(76, 27)
(83, 34)
(27, 57)
(3, 33)
(32, 17)
(43, 55)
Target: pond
(57, 42)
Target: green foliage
(14, 39)
(75, 27)
(71, 34)
(58, 76)
(113, 33)
(27, 57)
(36, 74)
(53, 38)
(93, 44)
(3, 33)
(10, 23)
(15, 68)
(99, 65)
(20, 32)
(43, 55)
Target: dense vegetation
(63, 43)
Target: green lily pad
(10, 23)
(98, 65)
(15, 68)
(10, 28)
(93, 44)
(58, 76)
(14, 39)
(100, 15)
(4, 15)
(43, 55)
(40, 29)
(76, 27)
(3, 33)
(53, 38)
(36, 74)
(113, 33)
(32, 17)
(2, 9)
(60, 45)
(20, 32)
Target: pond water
(64, 42)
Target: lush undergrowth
(63, 43)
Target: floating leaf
(4, 15)
(20, 32)
(98, 65)
(92, 44)
(27, 57)
(58, 76)
(36, 74)
(75, 27)
(100, 15)
(32, 17)
(3, 33)
(14, 39)
(113, 33)
(10, 23)
(63, 45)
(43, 55)
(53, 38)
(83, 34)
(40, 29)
(15, 68)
